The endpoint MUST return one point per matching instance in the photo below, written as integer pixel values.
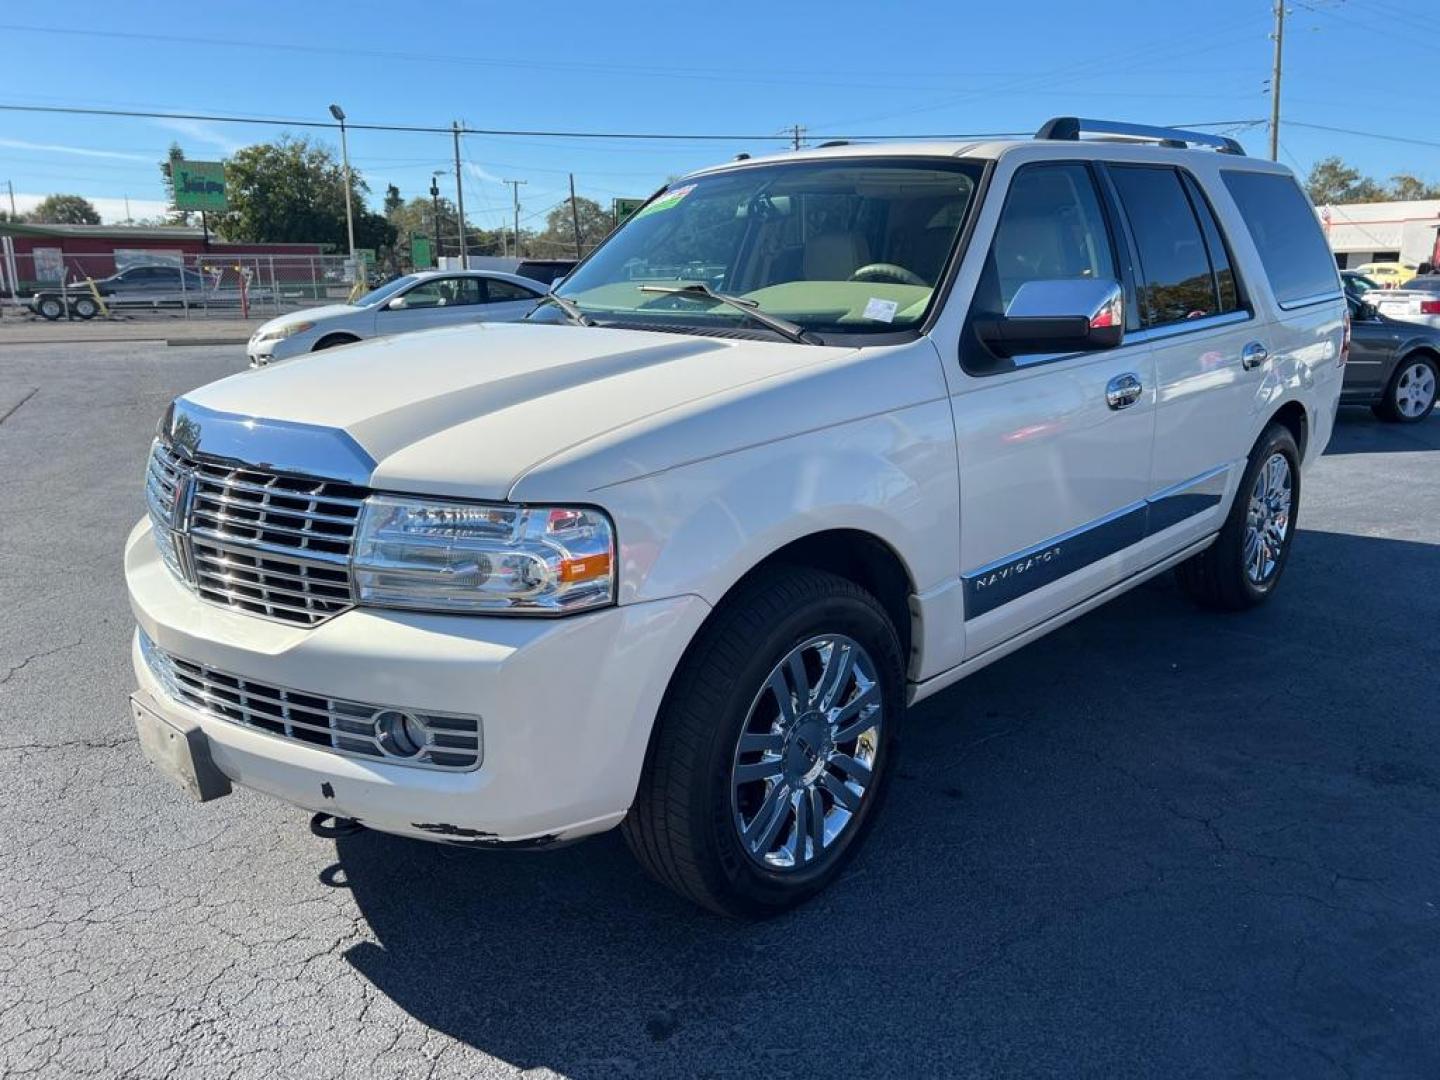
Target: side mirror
(396, 303)
(1366, 311)
(1062, 315)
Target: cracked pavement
(1158, 842)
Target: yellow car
(1388, 275)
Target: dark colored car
(545, 271)
(1394, 366)
(135, 285)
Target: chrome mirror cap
(1100, 301)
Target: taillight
(1430, 307)
(1345, 341)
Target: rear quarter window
(1287, 234)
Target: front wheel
(1243, 566)
(773, 745)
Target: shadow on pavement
(1157, 842)
(1358, 431)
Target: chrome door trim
(1193, 326)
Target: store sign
(625, 208)
(199, 185)
(49, 263)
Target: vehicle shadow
(1357, 431)
(1157, 842)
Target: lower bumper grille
(395, 735)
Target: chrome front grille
(446, 741)
(268, 543)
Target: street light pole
(339, 114)
(435, 200)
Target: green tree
(558, 237)
(1332, 181)
(64, 210)
(174, 216)
(393, 200)
(293, 191)
(1406, 186)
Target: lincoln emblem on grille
(180, 519)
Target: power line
(1365, 134)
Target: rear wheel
(773, 745)
(1410, 394)
(51, 308)
(1243, 566)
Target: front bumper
(566, 705)
(261, 353)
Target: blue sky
(838, 67)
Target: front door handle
(1253, 355)
(1123, 390)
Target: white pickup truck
(810, 438)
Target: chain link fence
(55, 284)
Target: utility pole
(798, 134)
(11, 185)
(575, 216)
(1275, 80)
(515, 191)
(460, 199)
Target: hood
(315, 314)
(468, 410)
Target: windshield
(384, 292)
(851, 246)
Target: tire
(334, 340)
(50, 308)
(85, 307)
(1410, 394)
(1232, 574)
(702, 792)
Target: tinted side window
(1051, 227)
(505, 291)
(1292, 248)
(1176, 282)
(1215, 246)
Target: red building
(90, 250)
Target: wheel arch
(335, 337)
(1293, 416)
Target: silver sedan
(413, 302)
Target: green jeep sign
(623, 208)
(199, 185)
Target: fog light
(400, 734)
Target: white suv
(809, 439)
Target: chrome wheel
(804, 762)
(1267, 521)
(1415, 391)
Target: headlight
(289, 330)
(454, 556)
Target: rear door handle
(1123, 390)
(1253, 355)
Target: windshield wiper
(570, 308)
(785, 327)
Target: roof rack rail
(1070, 127)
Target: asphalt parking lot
(1156, 843)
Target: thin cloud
(201, 132)
(477, 173)
(110, 208)
(77, 151)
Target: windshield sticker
(878, 310)
(667, 201)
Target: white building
(1362, 233)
